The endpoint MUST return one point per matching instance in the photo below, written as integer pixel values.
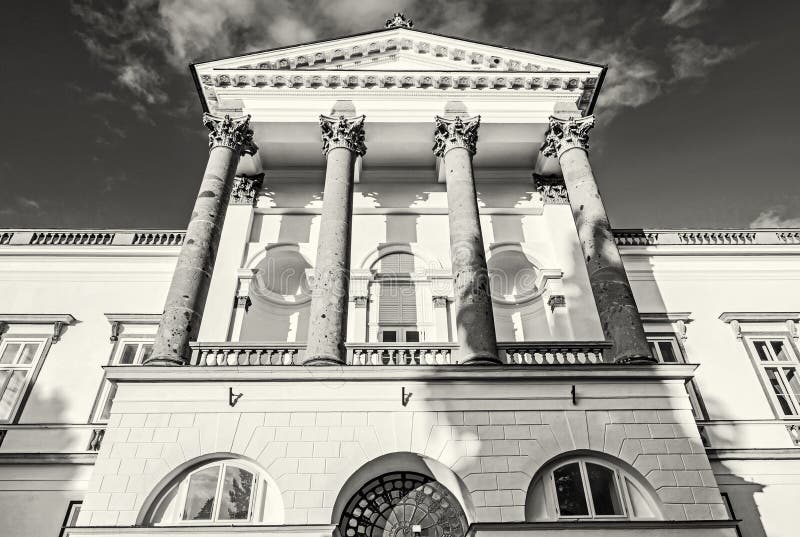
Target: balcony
(522, 353)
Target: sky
(696, 121)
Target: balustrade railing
(552, 352)
(523, 353)
(402, 353)
(246, 353)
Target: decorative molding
(455, 133)
(440, 301)
(243, 301)
(677, 319)
(635, 237)
(556, 301)
(759, 316)
(566, 134)
(96, 439)
(233, 133)
(552, 189)
(736, 318)
(399, 20)
(794, 433)
(245, 189)
(85, 238)
(347, 133)
(360, 301)
(59, 321)
(118, 320)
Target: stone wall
(310, 453)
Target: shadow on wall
(36, 498)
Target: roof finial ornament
(399, 20)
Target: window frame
(698, 407)
(761, 367)
(33, 368)
(73, 511)
(587, 493)
(107, 388)
(174, 516)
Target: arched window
(222, 492)
(588, 487)
(403, 504)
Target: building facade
(399, 309)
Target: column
(228, 140)
(342, 143)
(455, 141)
(568, 139)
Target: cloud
(775, 217)
(21, 204)
(685, 13)
(147, 44)
(692, 58)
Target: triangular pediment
(399, 49)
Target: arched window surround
(166, 502)
(636, 496)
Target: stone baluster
(568, 140)
(455, 141)
(229, 139)
(342, 143)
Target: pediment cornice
(360, 51)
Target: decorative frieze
(566, 134)
(399, 20)
(389, 80)
(552, 189)
(245, 189)
(458, 132)
(343, 132)
(233, 133)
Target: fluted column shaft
(622, 325)
(343, 142)
(456, 143)
(183, 311)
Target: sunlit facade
(399, 309)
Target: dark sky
(697, 124)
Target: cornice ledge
(321, 530)
(663, 317)
(47, 458)
(582, 526)
(361, 373)
(753, 453)
(759, 316)
(36, 318)
(134, 318)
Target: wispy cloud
(20, 205)
(148, 43)
(692, 58)
(775, 217)
(685, 13)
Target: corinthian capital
(346, 132)
(566, 134)
(452, 133)
(233, 133)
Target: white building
(317, 384)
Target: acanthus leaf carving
(233, 133)
(566, 134)
(245, 189)
(457, 132)
(344, 132)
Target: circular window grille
(403, 504)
